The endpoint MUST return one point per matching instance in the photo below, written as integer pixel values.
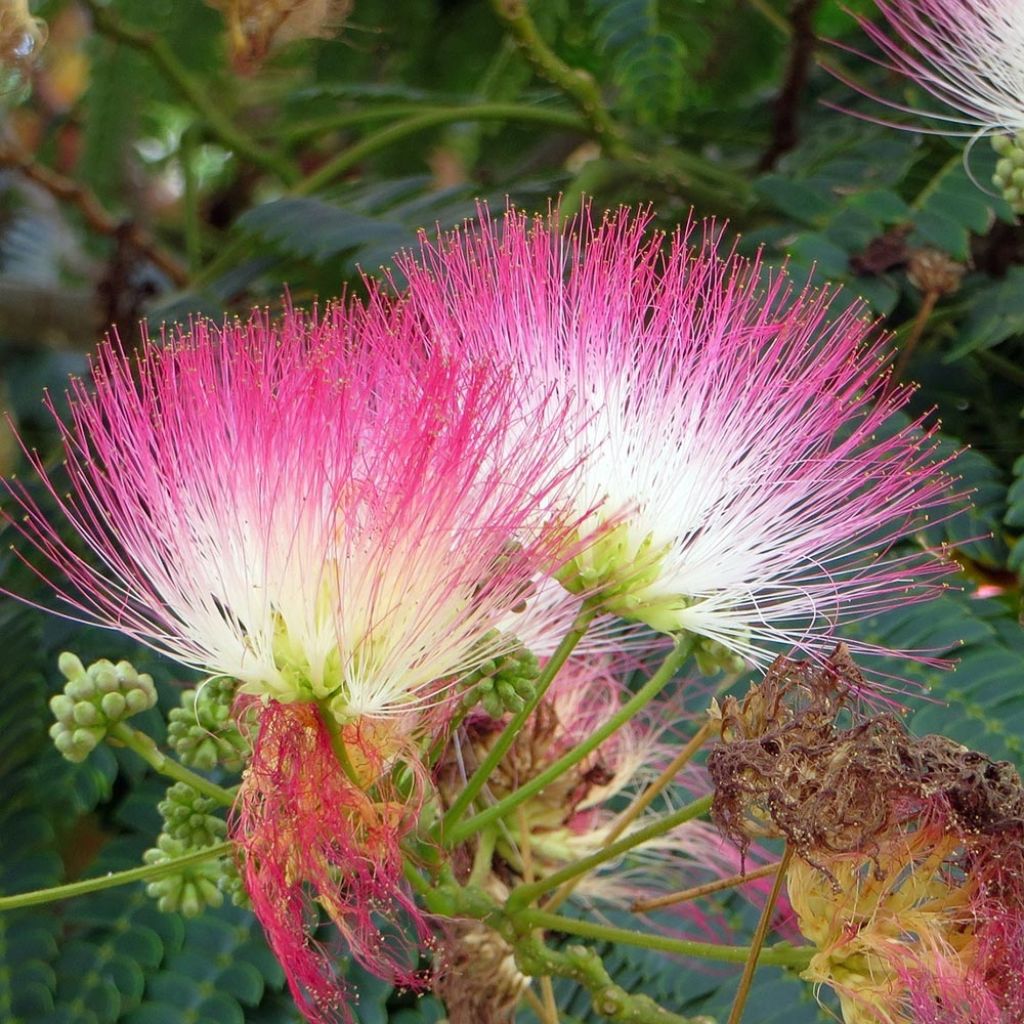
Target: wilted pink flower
(312, 840)
(969, 54)
(309, 507)
(585, 695)
(574, 816)
(734, 434)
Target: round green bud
(63, 707)
(1002, 144)
(86, 713)
(113, 705)
(81, 688)
(104, 676)
(70, 665)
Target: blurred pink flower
(734, 434)
(969, 54)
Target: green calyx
(1009, 175)
(202, 731)
(94, 700)
(627, 570)
(504, 683)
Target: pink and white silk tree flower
(308, 507)
(969, 54)
(338, 520)
(735, 434)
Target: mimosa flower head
(574, 816)
(969, 54)
(313, 507)
(735, 433)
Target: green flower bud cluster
(94, 700)
(502, 683)
(189, 891)
(189, 825)
(188, 816)
(1009, 176)
(231, 884)
(202, 732)
(713, 657)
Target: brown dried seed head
(785, 767)
(932, 270)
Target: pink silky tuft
(314, 506)
(738, 434)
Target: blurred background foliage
(162, 157)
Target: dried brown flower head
(786, 767)
(932, 270)
(909, 866)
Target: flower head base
(969, 54)
(732, 450)
(316, 508)
(908, 872)
(313, 840)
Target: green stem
(458, 832)
(781, 955)
(415, 879)
(583, 966)
(190, 199)
(378, 140)
(525, 894)
(142, 745)
(756, 946)
(450, 831)
(338, 744)
(483, 857)
(146, 873)
(444, 114)
(578, 85)
(161, 54)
